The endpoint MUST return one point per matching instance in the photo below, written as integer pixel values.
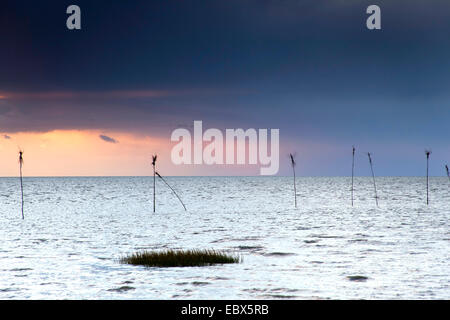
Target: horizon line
(223, 176)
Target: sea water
(76, 229)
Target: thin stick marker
(21, 180)
(293, 170)
(373, 177)
(172, 190)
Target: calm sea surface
(76, 229)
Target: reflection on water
(75, 229)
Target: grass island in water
(180, 258)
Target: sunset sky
(101, 100)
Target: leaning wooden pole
(373, 178)
(154, 181)
(21, 179)
(174, 192)
(448, 173)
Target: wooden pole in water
(373, 177)
(293, 170)
(167, 184)
(21, 180)
(154, 157)
(353, 170)
(448, 173)
(428, 152)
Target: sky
(101, 100)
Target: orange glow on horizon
(79, 153)
(62, 153)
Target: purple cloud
(108, 139)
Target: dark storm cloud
(151, 115)
(108, 139)
(174, 44)
(310, 68)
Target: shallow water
(75, 230)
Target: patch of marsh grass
(180, 258)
